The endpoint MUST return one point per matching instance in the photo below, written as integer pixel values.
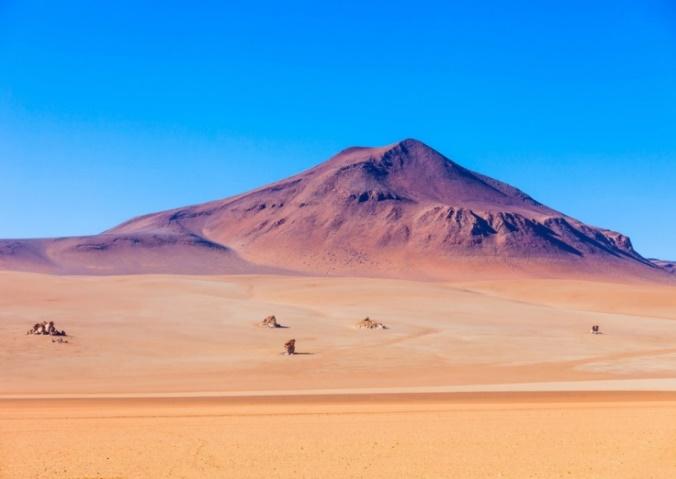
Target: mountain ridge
(399, 210)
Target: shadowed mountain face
(403, 210)
(668, 266)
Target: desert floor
(169, 376)
(490, 435)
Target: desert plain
(171, 376)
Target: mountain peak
(422, 153)
(413, 170)
(411, 143)
(407, 145)
(409, 155)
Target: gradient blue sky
(113, 109)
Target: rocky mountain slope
(402, 210)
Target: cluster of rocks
(270, 322)
(46, 329)
(290, 345)
(368, 323)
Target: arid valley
(470, 379)
(338, 240)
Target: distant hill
(402, 210)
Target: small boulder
(290, 347)
(368, 323)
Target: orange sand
(530, 435)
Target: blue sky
(113, 109)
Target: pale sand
(163, 336)
(528, 435)
(182, 334)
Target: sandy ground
(166, 337)
(181, 334)
(529, 435)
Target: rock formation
(290, 347)
(368, 323)
(46, 329)
(270, 322)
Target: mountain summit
(402, 210)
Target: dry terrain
(529, 435)
(174, 334)
(172, 376)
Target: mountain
(403, 210)
(668, 266)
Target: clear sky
(113, 109)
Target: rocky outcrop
(46, 329)
(368, 323)
(290, 347)
(270, 322)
